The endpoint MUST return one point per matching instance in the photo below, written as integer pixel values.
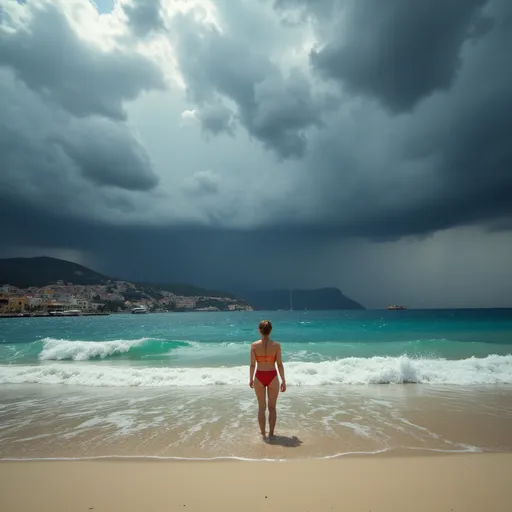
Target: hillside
(319, 299)
(42, 271)
(186, 290)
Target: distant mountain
(42, 271)
(317, 299)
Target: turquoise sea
(191, 349)
(176, 384)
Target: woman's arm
(252, 367)
(280, 368)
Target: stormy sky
(301, 143)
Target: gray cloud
(144, 16)
(49, 160)
(54, 61)
(444, 165)
(324, 11)
(216, 118)
(275, 108)
(114, 159)
(400, 51)
(62, 132)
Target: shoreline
(42, 315)
(469, 482)
(391, 453)
(109, 313)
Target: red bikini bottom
(266, 376)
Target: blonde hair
(265, 327)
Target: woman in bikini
(267, 353)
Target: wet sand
(69, 422)
(451, 483)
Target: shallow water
(53, 421)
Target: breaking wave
(59, 350)
(493, 369)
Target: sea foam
(493, 369)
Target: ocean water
(176, 384)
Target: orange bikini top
(266, 359)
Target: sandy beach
(452, 483)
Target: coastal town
(64, 298)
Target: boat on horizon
(140, 310)
(395, 307)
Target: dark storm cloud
(475, 275)
(144, 16)
(108, 160)
(447, 162)
(469, 140)
(78, 176)
(203, 256)
(400, 51)
(276, 109)
(61, 67)
(44, 151)
(461, 176)
(57, 157)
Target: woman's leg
(259, 388)
(273, 393)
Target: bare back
(267, 354)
